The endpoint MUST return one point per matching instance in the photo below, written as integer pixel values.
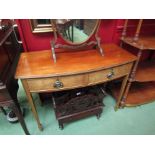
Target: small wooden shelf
(139, 93)
(145, 71)
(144, 42)
(141, 89)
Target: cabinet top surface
(40, 63)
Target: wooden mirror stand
(93, 40)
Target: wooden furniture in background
(142, 79)
(39, 73)
(9, 54)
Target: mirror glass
(76, 31)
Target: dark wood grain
(143, 73)
(140, 93)
(9, 54)
(144, 42)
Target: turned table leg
(31, 103)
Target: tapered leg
(31, 103)
(131, 78)
(121, 92)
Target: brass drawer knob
(58, 84)
(111, 74)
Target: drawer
(76, 81)
(57, 83)
(109, 74)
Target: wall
(36, 41)
(109, 32)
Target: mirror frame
(77, 43)
(40, 28)
(72, 46)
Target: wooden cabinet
(141, 87)
(9, 54)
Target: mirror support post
(99, 47)
(98, 40)
(53, 41)
(53, 51)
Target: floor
(128, 121)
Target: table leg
(131, 79)
(118, 104)
(31, 103)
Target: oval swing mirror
(76, 33)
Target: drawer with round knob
(109, 74)
(57, 83)
(78, 80)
